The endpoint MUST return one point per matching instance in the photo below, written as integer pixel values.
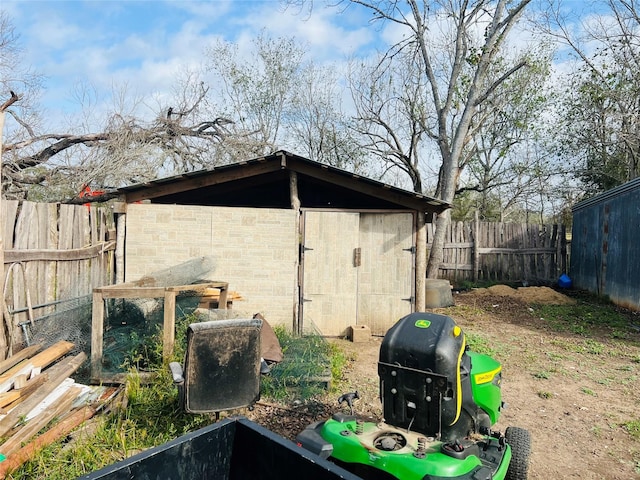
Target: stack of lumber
(211, 298)
(36, 388)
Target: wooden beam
(204, 179)
(169, 326)
(13, 256)
(97, 333)
(420, 259)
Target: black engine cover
(424, 377)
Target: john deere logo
(423, 323)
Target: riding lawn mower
(440, 401)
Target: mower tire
(520, 441)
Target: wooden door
(386, 274)
(329, 287)
(357, 269)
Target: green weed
(480, 344)
(588, 391)
(633, 428)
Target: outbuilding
(604, 246)
(307, 245)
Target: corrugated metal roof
(609, 194)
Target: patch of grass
(464, 311)
(633, 428)
(582, 318)
(545, 395)
(479, 344)
(310, 362)
(542, 375)
(588, 391)
(556, 356)
(593, 347)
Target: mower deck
(368, 448)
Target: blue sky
(145, 44)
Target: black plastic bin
(231, 449)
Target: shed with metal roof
(306, 244)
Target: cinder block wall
(254, 249)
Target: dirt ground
(573, 392)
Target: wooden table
(131, 291)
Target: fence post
(474, 239)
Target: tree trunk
(436, 256)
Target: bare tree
(455, 44)
(257, 89)
(393, 117)
(127, 146)
(128, 149)
(319, 125)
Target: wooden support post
(476, 246)
(295, 206)
(97, 328)
(169, 335)
(421, 263)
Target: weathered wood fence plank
(505, 252)
(53, 253)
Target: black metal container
(232, 449)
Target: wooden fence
(52, 253)
(503, 252)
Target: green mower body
(439, 401)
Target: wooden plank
(60, 406)
(65, 242)
(57, 374)
(198, 287)
(97, 333)
(50, 266)
(8, 377)
(169, 326)
(148, 292)
(82, 237)
(45, 358)
(515, 251)
(39, 361)
(11, 398)
(35, 254)
(18, 357)
(58, 431)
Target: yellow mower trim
(459, 383)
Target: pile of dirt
(531, 295)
